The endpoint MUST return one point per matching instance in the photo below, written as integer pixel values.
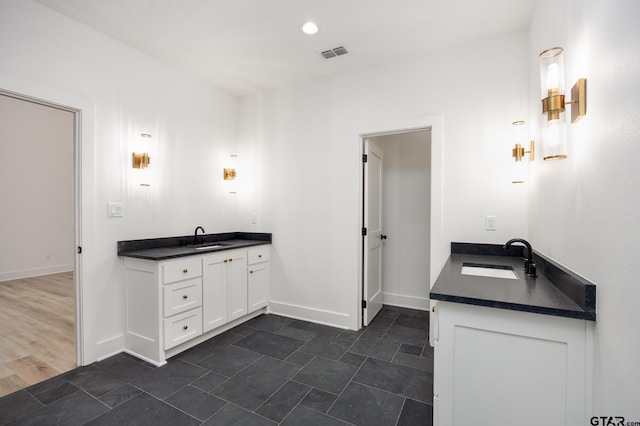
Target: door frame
(83, 163)
(439, 250)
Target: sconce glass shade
(552, 72)
(554, 136)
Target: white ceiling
(244, 46)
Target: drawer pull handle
(184, 327)
(185, 270)
(185, 296)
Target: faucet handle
(530, 269)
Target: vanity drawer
(182, 327)
(181, 269)
(258, 254)
(182, 296)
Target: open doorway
(396, 221)
(37, 268)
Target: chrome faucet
(529, 265)
(195, 235)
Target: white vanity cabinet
(259, 277)
(172, 305)
(163, 305)
(502, 367)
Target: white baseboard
(34, 272)
(305, 313)
(402, 301)
(109, 347)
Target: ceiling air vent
(332, 53)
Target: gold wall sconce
(141, 160)
(519, 152)
(554, 103)
(229, 173)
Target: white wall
(123, 93)
(406, 218)
(305, 132)
(585, 211)
(36, 183)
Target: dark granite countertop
(172, 247)
(555, 291)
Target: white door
(373, 237)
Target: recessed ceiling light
(309, 28)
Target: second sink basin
(487, 270)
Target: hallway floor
(38, 336)
(268, 371)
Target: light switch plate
(115, 209)
(490, 223)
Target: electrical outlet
(115, 209)
(490, 223)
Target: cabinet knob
(260, 256)
(185, 270)
(184, 327)
(251, 272)
(225, 261)
(185, 296)
(230, 260)
(433, 309)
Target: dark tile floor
(271, 370)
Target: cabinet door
(236, 267)
(498, 367)
(214, 291)
(258, 285)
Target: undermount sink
(209, 247)
(487, 270)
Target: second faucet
(195, 235)
(529, 265)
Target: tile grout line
(352, 377)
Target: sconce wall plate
(579, 99)
(141, 160)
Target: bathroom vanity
(179, 294)
(510, 350)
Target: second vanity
(510, 350)
(179, 294)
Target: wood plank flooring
(37, 337)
